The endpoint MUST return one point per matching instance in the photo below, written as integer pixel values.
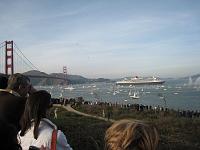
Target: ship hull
(140, 83)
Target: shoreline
(137, 107)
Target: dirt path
(70, 109)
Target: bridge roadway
(49, 77)
(35, 76)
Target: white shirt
(44, 137)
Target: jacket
(44, 137)
(11, 107)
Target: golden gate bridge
(12, 60)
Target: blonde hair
(131, 134)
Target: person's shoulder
(10, 94)
(62, 142)
(3, 92)
(60, 134)
(16, 99)
(6, 97)
(48, 123)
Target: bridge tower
(9, 63)
(65, 73)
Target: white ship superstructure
(139, 80)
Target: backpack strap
(54, 139)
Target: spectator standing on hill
(131, 135)
(37, 130)
(13, 98)
(109, 112)
(55, 113)
(103, 114)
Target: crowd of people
(23, 117)
(135, 107)
(24, 123)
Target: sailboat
(135, 95)
(115, 91)
(129, 93)
(61, 95)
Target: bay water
(176, 95)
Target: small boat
(178, 87)
(161, 96)
(175, 93)
(116, 92)
(61, 95)
(69, 88)
(135, 95)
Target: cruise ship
(140, 81)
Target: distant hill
(37, 81)
(77, 79)
(71, 79)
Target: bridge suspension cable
(2, 57)
(13, 60)
(25, 60)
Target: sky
(106, 38)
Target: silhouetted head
(36, 108)
(131, 135)
(19, 83)
(8, 138)
(3, 82)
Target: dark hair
(15, 80)
(8, 136)
(35, 109)
(3, 82)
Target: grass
(88, 133)
(175, 132)
(81, 132)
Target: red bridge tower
(9, 64)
